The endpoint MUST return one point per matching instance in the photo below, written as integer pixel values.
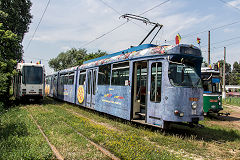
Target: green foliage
(19, 16)
(72, 57)
(67, 59)
(20, 138)
(232, 101)
(14, 20)
(235, 75)
(8, 46)
(227, 70)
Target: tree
(235, 75)
(19, 16)
(67, 59)
(97, 54)
(8, 44)
(15, 18)
(227, 70)
(72, 57)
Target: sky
(77, 24)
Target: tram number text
(193, 99)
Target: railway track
(54, 149)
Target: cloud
(227, 30)
(234, 3)
(74, 23)
(65, 48)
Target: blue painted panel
(207, 92)
(114, 100)
(174, 98)
(66, 92)
(215, 80)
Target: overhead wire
(121, 25)
(212, 29)
(120, 13)
(229, 4)
(38, 24)
(155, 7)
(223, 41)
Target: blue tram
(151, 84)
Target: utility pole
(224, 70)
(209, 48)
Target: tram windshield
(211, 83)
(183, 75)
(32, 75)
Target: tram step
(140, 114)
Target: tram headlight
(219, 98)
(194, 105)
(219, 103)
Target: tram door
(155, 104)
(91, 87)
(139, 105)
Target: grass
(232, 101)
(122, 138)
(182, 141)
(20, 138)
(124, 145)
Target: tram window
(61, 79)
(156, 82)
(66, 79)
(19, 78)
(82, 77)
(89, 81)
(104, 74)
(120, 74)
(71, 79)
(55, 80)
(183, 75)
(47, 80)
(94, 82)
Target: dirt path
(231, 121)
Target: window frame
(70, 75)
(107, 80)
(118, 67)
(82, 72)
(155, 100)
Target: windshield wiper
(197, 83)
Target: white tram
(29, 81)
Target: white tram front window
(32, 75)
(183, 75)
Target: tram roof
(20, 65)
(68, 70)
(132, 49)
(144, 50)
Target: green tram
(212, 94)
